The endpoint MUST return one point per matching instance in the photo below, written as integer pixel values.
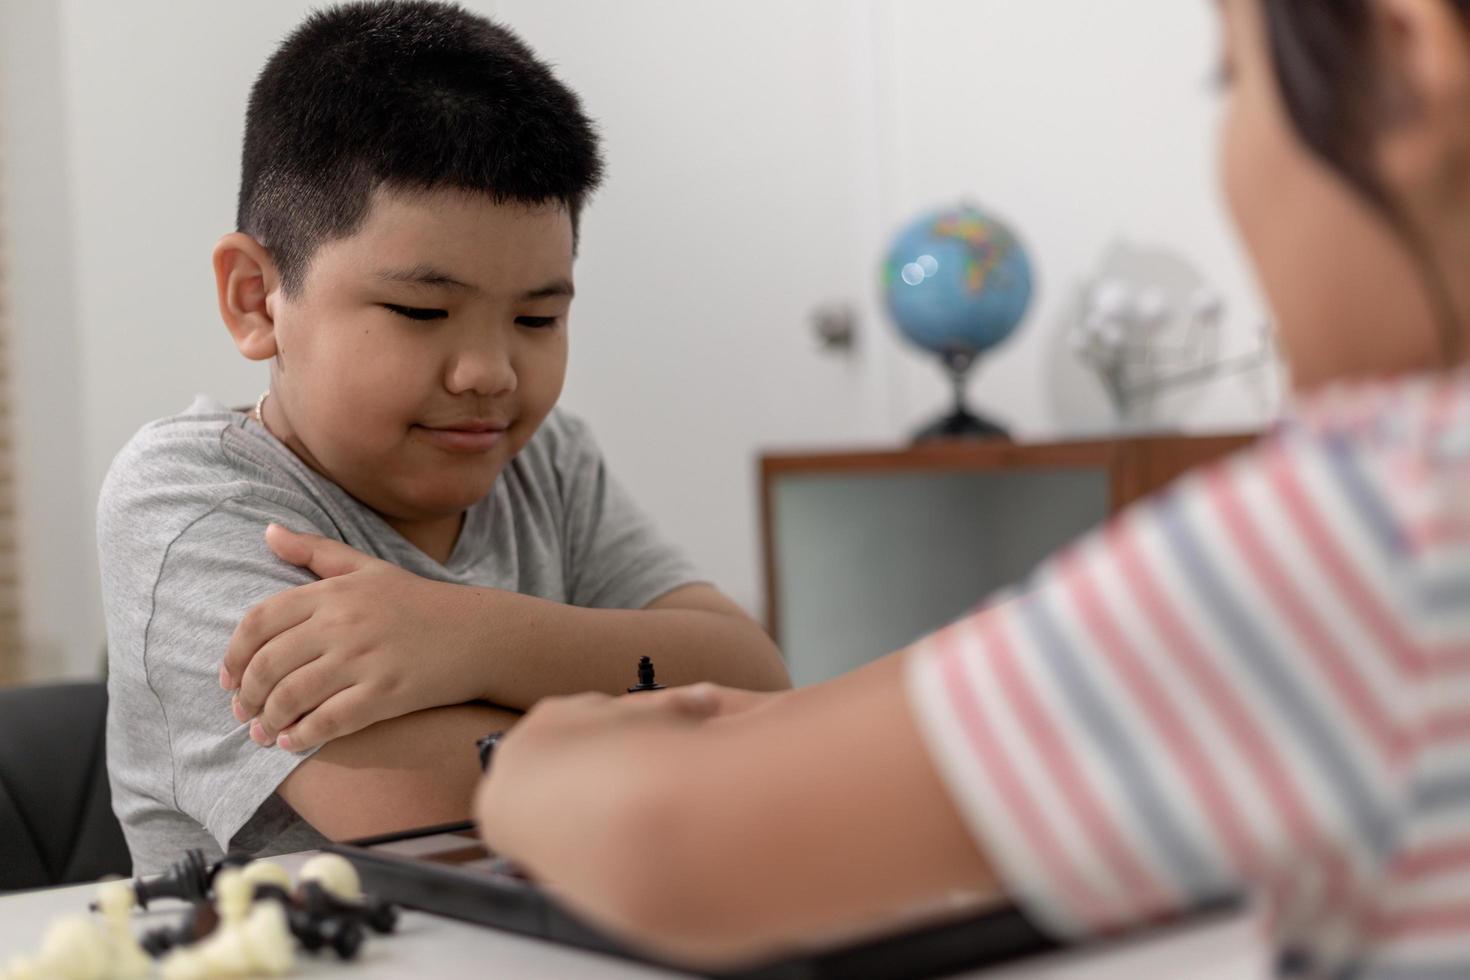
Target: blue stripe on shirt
(1276, 682)
(1373, 512)
(1442, 793)
(1191, 869)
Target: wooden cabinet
(865, 551)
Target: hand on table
(568, 756)
(370, 641)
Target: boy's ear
(245, 278)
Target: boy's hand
(330, 658)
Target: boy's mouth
(466, 436)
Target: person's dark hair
(404, 95)
(1324, 53)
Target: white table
(1227, 948)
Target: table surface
(1224, 948)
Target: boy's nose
(483, 370)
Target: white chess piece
(185, 963)
(21, 968)
(224, 953)
(115, 900)
(260, 945)
(335, 874)
(74, 949)
(269, 940)
(233, 896)
(267, 873)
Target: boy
(411, 185)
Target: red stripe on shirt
(1350, 685)
(1447, 727)
(1279, 787)
(1214, 689)
(1443, 919)
(1376, 618)
(1087, 904)
(1438, 531)
(1178, 738)
(1427, 861)
(1140, 884)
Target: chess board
(448, 871)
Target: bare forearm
(543, 649)
(818, 812)
(411, 771)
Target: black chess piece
(190, 879)
(187, 879)
(198, 922)
(269, 891)
(376, 914)
(306, 927)
(345, 937)
(645, 677)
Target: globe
(957, 283)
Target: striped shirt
(1257, 682)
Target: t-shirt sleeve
(1209, 693)
(615, 557)
(216, 569)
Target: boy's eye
(415, 312)
(536, 321)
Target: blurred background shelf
(866, 551)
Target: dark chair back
(56, 820)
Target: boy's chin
(443, 502)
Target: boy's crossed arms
(364, 655)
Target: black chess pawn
(316, 931)
(187, 879)
(306, 928)
(344, 936)
(645, 678)
(376, 914)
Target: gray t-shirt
(181, 538)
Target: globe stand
(960, 423)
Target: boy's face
(422, 353)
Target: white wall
(58, 601)
(1081, 123)
(760, 152)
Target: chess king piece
(189, 879)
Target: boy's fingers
(261, 623)
(278, 658)
(343, 713)
(298, 695)
(325, 557)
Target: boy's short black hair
(407, 95)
